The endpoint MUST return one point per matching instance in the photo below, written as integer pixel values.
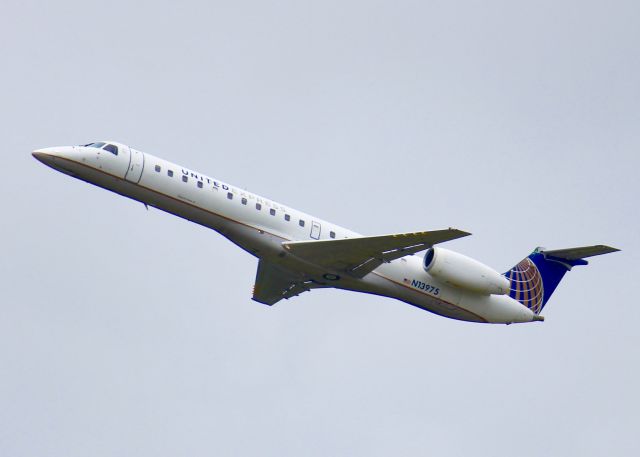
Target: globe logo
(526, 285)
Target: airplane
(298, 252)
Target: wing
(359, 256)
(274, 283)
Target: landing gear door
(136, 164)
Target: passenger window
(272, 212)
(258, 206)
(200, 184)
(287, 217)
(244, 201)
(301, 223)
(332, 234)
(185, 178)
(229, 195)
(158, 168)
(170, 173)
(112, 148)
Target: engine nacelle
(461, 271)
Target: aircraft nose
(45, 155)
(39, 154)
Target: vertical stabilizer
(536, 277)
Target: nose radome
(43, 151)
(48, 156)
(43, 154)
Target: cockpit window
(112, 148)
(95, 145)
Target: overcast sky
(132, 332)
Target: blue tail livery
(536, 277)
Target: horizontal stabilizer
(579, 253)
(359, 256)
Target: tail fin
(534, 279)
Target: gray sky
(127, 332)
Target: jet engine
(464, 272)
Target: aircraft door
(136, 165)
(315, 230)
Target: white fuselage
(260, 226)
